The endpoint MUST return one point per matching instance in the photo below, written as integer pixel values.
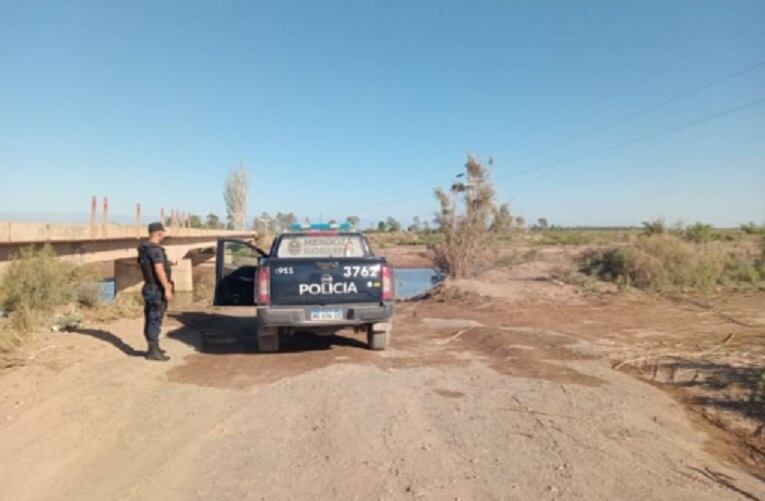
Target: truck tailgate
(325, 281)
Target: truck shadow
(222, 334)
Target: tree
(381, 226)
(542, 223)
(263, 224)
(283, 221)
(416, 225)
(503, 220)
(464, 218)
(353, 221)
(520, 222)
(235, 190)
(213, 221)
(195, 221)
(393, 224)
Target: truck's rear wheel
(268, 339)
(377, 339)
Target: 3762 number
(370, 271)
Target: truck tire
(377, 340)
(268, 339)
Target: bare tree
(235, 195)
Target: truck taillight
(264, 285)
(387, 283)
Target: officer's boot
(155, 353)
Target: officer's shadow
(110, 338)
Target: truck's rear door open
(235, 269)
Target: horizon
(594, 116)
(364, 225)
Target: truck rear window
(322, 246)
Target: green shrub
(752, 229)
(564, 237)
(700, 233)
(579, 236)
(740, 271)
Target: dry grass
(33, 284)
(9, 339)
(125, 305)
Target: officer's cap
(157, 226)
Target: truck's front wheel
(377, 339)
(268, 339)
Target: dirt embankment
(487, 392)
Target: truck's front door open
(236, 264)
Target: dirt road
(456, 409)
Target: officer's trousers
(153, 311)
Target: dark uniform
(155, 304)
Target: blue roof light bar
(320, 227)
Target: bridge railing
(23, 232)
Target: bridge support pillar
(127, 276)
(182, 276)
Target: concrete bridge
(91, 243)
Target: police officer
(157, 289)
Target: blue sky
(361, 107)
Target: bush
(752, 229)
(35, 282)
(700, 233)
(660, 262)
(657, 226)
(739, 271)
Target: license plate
(335, 314)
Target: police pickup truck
(318, 278)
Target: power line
(647, 109)
(676, 128)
